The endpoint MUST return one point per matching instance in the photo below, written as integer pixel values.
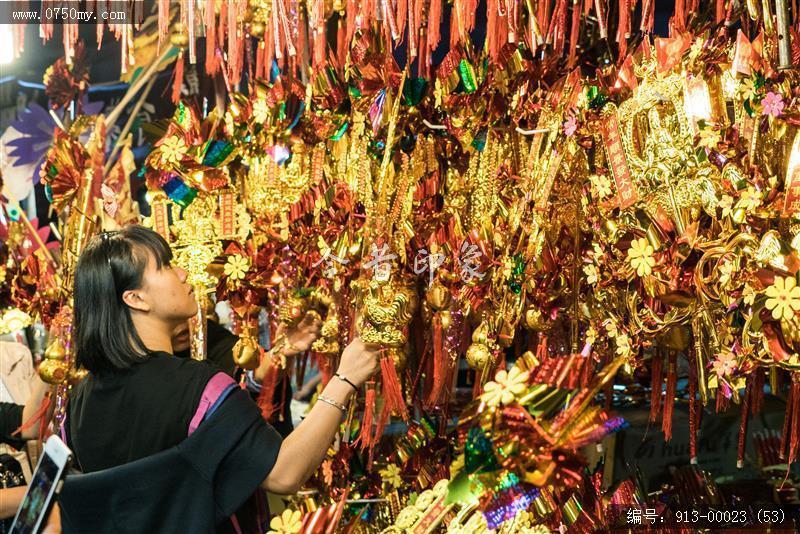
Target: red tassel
(392, 389)
(657, 379)
(440, 364)
(325, 365)
(365, 436)
(758, 393)
(177, 82)
(669, 400)
(267, 394)
(791, 425)
(386, 412)
(743, 425)
(37, 417)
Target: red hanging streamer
(669, 399)
(657, 377)
(574, 34)
(743, 424)
(212, 63)
(648, 16)
(790, 440)
(267, 394)
(177, 82)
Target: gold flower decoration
(726, 205)
(724, 364)
(783, 298)
(236, 267)
(726, 270)
(601, 184)
(709, 138)
(623, 344)
(749, 199)
(748, 295)
(507, 386)
(14, 320)
(591, 273)
(640, 256)
(747, 89)
(172, 150)
(591, 335)
(289, 522)
(391, 475)
(260, 111)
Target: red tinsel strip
(743, 424)
(560, 34)
(669, 399)
(401, 10)
(601, 18)
(648, 16)
(543, 17)
(624, 28)
(794, 442)
(365, 436)
(678, 21)
(212, 64)
(574, 34)
(163, 20)
(434, 24)
(341, 41)
(758, 393)
(177, 82)
(655, 393)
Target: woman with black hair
(139, 404)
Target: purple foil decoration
(36, 126)
(376, 111)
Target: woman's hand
(301, 337)
(359, 361)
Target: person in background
(219, 351)
(12, 417)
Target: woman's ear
(134, 300)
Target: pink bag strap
(218, 384)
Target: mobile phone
(35, 507)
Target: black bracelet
(344, 378)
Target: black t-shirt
(219, 351)
(117, 418)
